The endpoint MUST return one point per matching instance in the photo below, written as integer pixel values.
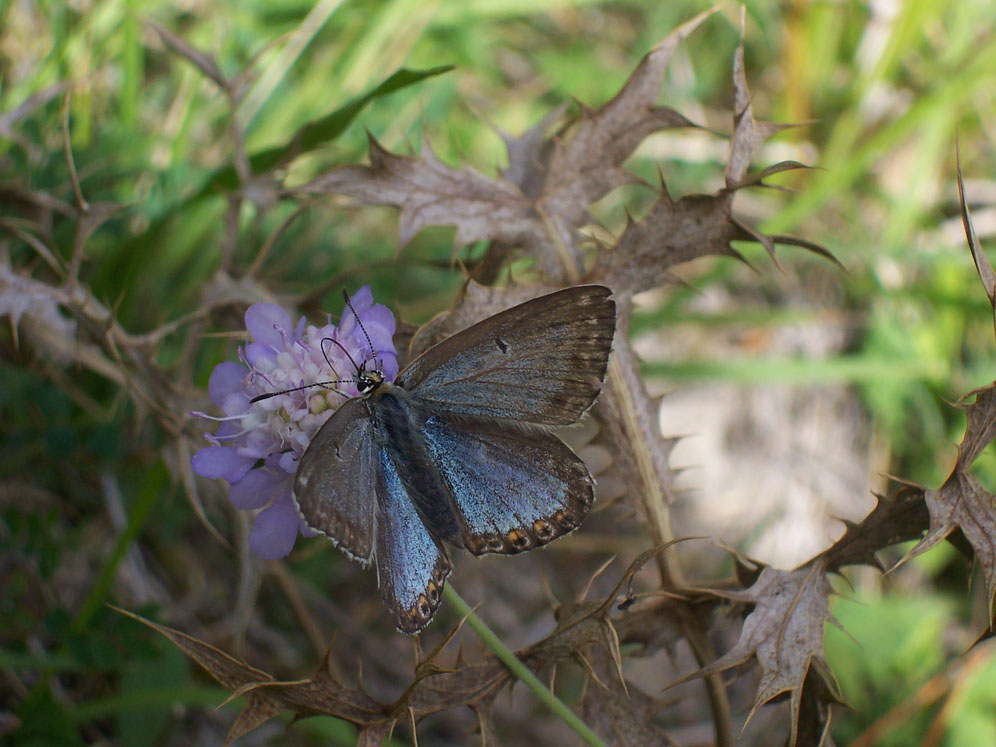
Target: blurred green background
(885, 89)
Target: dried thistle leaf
(672, 232)
(815, 713)
(784, 633)
(620, 718)
(898, 519)
(962, 503)
(541, 201)
(227, 670)
(748, 133)
(265, 696)
(981, 428)
(982, 265)
(697, 225)
(586, 162)
(631, 427)
(430, 193)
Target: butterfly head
(368, 382)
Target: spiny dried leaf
(586, 162)
(541, 201)
(982, 265)
(815, 713)
(583, 626)
(757, 179)
(227, 670)
(748, 133)
(962, 503)
(267, 697)
(323, 694)
(672, 232)
(619, 718)
(697, 225)
(785, 634)
(898, 519)
(529, 154)
(430, 193)
(485, 721)
(258, 710)
(981, 428)
(21, 295)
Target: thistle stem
(520, 670)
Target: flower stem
(520, 670)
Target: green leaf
(318, 131)
(44, 721)
(143, 719)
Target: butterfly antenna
(343, 349)
(268, 395)
(356, 316)
(326, 355)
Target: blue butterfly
(457, 449)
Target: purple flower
(257, 446)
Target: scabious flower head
(258, 445)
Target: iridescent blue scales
(457, 450)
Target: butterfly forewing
(334, 483)
(412, 566)
(540, 362)
(513, 489)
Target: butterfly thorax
(398, 426)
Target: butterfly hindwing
(412, 565)
(513, 488)
(334, 482)
(542, 361)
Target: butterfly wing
(412, 566)
(334, 483)
(513, 488)
(542, 361)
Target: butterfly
(458, 450)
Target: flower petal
(221, 461)
(260, 356)
(389, 365)
(380, 314)
(379, 336)
(227, 378)
(269, 324)
(275, 531)
(363, 299)
(236, 403)
(257, 489)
